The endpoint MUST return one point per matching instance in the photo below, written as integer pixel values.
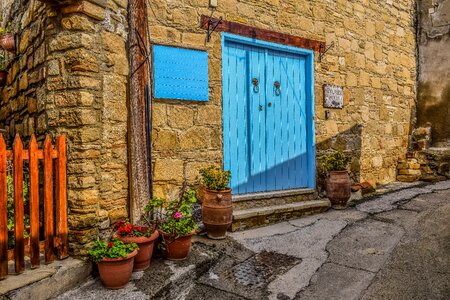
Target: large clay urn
(217, 212)
(145, 252)
(115, 273)
(7, 42)
(338, 188)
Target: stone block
(169, 170)
(195, 138)
(113, 42)
(77, 22)
(165, 140)
(87, 8)
(180, 117)
(407, 178)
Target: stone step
(256, 200)
(260, 216)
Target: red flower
(110, 244)
(139, 228)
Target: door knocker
(276, 84)
(255, 83)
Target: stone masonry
(373, 59)
(70, 77)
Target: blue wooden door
(265, 119)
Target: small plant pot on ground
(7, 42)
(217, 212)
(146, 246)
(177, 248)
(115, 273)
(338, 188)
(3, 76)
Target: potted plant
(217, 209)
(143, 236)
(3, 72)
(175, 222)
(337, 179)
(7, 38)
(115, 262)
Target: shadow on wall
(284, 175)
(348, 141)
(435, 111)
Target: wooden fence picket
(55, 203)
(48, 201)
(19, 245)
(3, 210)
(34, 203)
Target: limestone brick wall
(433, 101)
(72, 79)
(373, 59)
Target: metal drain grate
(260, 269)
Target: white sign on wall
(333, 96)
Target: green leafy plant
(2, 62)
(10, 208)
(112, 249)
(6, 29)
(335, 161)
(174, 218)
(214, 178)
(125, 228)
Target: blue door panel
(265, 129)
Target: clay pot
(338, 188)
(145, 252)
(178, 248)
(3, 76)
(115, 273)
(7, 42)
(217, 212)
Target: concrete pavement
(395, 246)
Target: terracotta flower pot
(178, 248)
(115, 273)
(217, 212)
(338, 188)
(145, 252)
(7, 42)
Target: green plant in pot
(143, 236)
(7, 38)
(217, 208)
(115, 262)
(337, 178)
(175, 222)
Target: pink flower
(178, 215)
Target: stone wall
(373, 59)
(71, 78)
(433, 102)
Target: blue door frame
(239, 158)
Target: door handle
(269, 104)
(260, 107)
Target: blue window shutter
(180, 73)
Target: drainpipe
(139, 117)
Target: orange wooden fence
(54, 242)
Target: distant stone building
(247, 93)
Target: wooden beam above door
(261, 34)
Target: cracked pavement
(393, 246)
